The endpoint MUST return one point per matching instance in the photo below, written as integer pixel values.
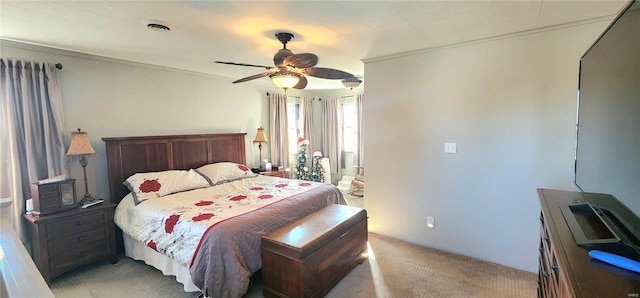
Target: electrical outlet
(430, 221)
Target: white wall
(112, 98)
(509, 104)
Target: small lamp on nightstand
(260, 138)
(81, 148)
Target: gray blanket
(230, 251)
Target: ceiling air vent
(158, 25)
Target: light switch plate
(450, 148)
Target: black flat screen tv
(608, 129)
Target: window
(349, 126)
(294, 129)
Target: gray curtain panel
(278, 130)
(332, 132)
(31, 131)
(308, 128)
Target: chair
(357, 185)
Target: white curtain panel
(278, 130)
(358, 155)
(31, 131)
(308, 128)
(332, 132)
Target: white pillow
(222, 172)
(145, 186)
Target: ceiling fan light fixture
(351, 83)
(291, 70)
(284, 80)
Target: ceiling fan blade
(302, 83)
(243, 64)
(328, 73)
(302, 60)
(253, 77)
(280, 56)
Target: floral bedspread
(175, 224)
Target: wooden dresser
(565, 269)
(64, 241)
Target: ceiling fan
(290, 69)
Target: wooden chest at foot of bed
(308, 257)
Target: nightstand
(67, 240)
(281, 174)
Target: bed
(220, 260)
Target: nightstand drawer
(75, 243)
(76, 224)
(71, 251)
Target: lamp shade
(284, 79)
(80, 144)
(260, 136)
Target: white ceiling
(341, 33)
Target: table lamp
(81, 148)
(260, 138)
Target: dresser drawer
(76, 224)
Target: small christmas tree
(317, 171)
(301, 171)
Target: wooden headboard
(129, 155)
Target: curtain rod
(58, 65)
(287, 95)
(344, 96)
(293, 96)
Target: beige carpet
(399, 269)
(355, 201)
(394, 269)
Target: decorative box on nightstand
(52, 197)
(67, 240)
(281, 174)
